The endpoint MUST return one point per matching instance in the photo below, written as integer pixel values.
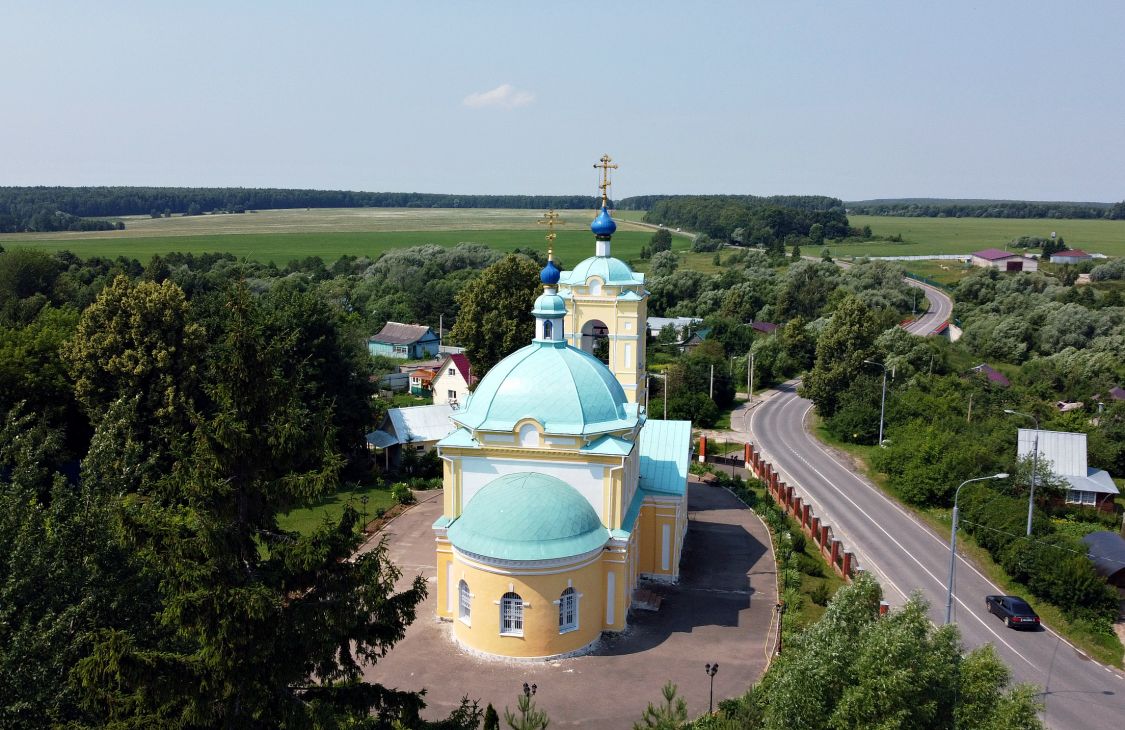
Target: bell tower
(607, 304)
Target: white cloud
(504, 96)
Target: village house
(406, 341)
(1066, 453)
(452, 381)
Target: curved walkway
(720, 612)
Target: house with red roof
(994, 258)
(1073, 256)
(453, 379)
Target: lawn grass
(943, 271)
(1105, 649)
(924, 236)
(307, 519)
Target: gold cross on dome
(550, 219)
(606, 164)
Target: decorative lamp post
(711, 669)
(363, 501)
(953, 544)
(1034, 464)
(529, 689)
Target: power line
(1040, 542)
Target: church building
(560, 493)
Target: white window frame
(511, 614)
(568, 610)
(452, 370)
(452, 394)
(464, 603)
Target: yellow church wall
(653, 518)
(627, 365)
(539, 591)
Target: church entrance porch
(719, 612)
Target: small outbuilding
(406, 341)
(417, 428)
(994, 258)
(1106, 551)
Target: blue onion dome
(603, 225)
(550, 274)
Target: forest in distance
(46, 208)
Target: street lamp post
(529, 689)
(883, 400)
(953, 543)
(1034, 464)
(750, 378)
(363, 501)
(711, 669)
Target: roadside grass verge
(1106, 649)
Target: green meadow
(923, 236)
(283, 235)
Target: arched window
(529, 436)
(568, 610)
(511, 615)
(464, 602)
(548, 326)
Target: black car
(1014, 610)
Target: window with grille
(464, 602)
(568, 611)
(511, 615)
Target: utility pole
(440, 330)
(750, 378)
(883, 400)
(711, 390)
(1034, 464)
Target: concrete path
(721, 612)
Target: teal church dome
(566, 390)
(549, 305)
(527, 516)
(613, 272)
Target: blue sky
(852, 99)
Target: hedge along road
(907, 556)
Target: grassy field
(923, 236)
(283, 235)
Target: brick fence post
(805, 516)
(835, 552)
(848, 564)
(796, 505)
(814, 527)
(824, 537)
(746, 449)
(702, 449)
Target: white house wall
(588, 479)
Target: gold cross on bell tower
(606, 164)
(550, 219)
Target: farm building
(1072, 256)
(406, 341)
(454, 376)
(1066, 453)
(1004, 260)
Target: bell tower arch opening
(595, 339)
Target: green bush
(819, 595)
(401, 493)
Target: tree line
(753, 221)
(44, 208)
(931, 208)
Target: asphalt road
(941, 309)
(907, 556)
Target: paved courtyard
(720, 612)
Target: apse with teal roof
(528, 516)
